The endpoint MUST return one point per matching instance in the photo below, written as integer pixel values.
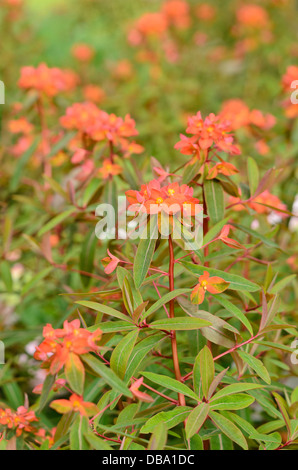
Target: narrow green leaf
(169, 418)
(256, 365)
(104, 309)
(215, 200)
(196, 419)
(170, 383)
(144, 254)
(107, 374)
(164, 300)
(229, 429)
(237, 401)
(179, 323)
(158, 438)
(121, 353)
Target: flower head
(213, 285)
(19, 420)
(59, 344)
(75, 404)
(154, 198)
(207, 133)
(49, 81)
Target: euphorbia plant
(176, 342)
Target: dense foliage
(187, 111)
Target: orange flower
(207, 133)
(59, 344)
(254, 16)
(177, 13)
(83, 52)
(50, 81)
(223, 168)
(94, 93)
(75, 404)
(223, 236)
(110, 262)
(20, 420)
(88, 119)
(206, 12)
(260, 204)
(239, 115)
(142, 396)
(150, 24)
(213, 285)
(20, 126)
(154, 198)
(109, 169)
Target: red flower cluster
(49, 81)
(173, 13)
(154, 198)
(291, 76)
(211, 132)
(252, 16)
(20, 420)
(60, 344)
(238, 114)
(264, 203)
(98, 125)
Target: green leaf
(206, 364)
(87, 256)
(282, 283)
(145, 253)
(237, 401)
(112, 326)
(75, 373)
(165, 299)
(235, 311)
(215, 200)
(169, 418)
(107, 374)
(282, 407)
(41, 275)
(104, 309)
(229, 429)
(140, 351)
(58, 219)
(96, 442)
(46, 388)
(257, 235)
(236, 282)
(121, 353)
(18, 169)
(6, 275)
(253, 175)
(179, 323)
(196, 419)
(256, 365)
(190, 172)
(236, 388)
(77, 432)
(170, 384)
(158, 438)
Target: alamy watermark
(2, 92)
(294, 355)
(184, 224)
(294, 94)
